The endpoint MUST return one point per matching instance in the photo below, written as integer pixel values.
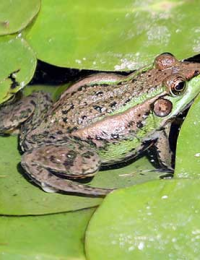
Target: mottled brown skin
(72, 138)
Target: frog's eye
(175, 84)
(178, 88)
(164, 61)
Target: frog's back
(91, 103)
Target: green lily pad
(18, 65)
(52, 237)
(155, 220)
(114, 34)
(138, 172)
(188, 145)
(16, 15)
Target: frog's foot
(14, 114)
(50, 165)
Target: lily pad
(138, 172)
(16, 15)
(18, 65)
(52, 237)
(154, 220)
(114, 34)
(188, 146)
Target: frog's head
(182, 85)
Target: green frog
(101, 120)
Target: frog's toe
(48, 188)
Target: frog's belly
(113, 153)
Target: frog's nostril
(196, 73)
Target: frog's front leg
(14, 114)
(50, 165)
(163, 148)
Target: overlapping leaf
(16, 15)
(18, 65)
(114, 34)
(52, 237)
(155, 220)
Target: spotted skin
(71, 161)
(100, 120)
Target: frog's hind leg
(14, 114)
(51, 165)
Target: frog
(101, 120)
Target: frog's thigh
(163, 148)
(75, 162)
(12, 115)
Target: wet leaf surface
(154, 220)
(52, 237)
(188, 147)
(114, 35)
